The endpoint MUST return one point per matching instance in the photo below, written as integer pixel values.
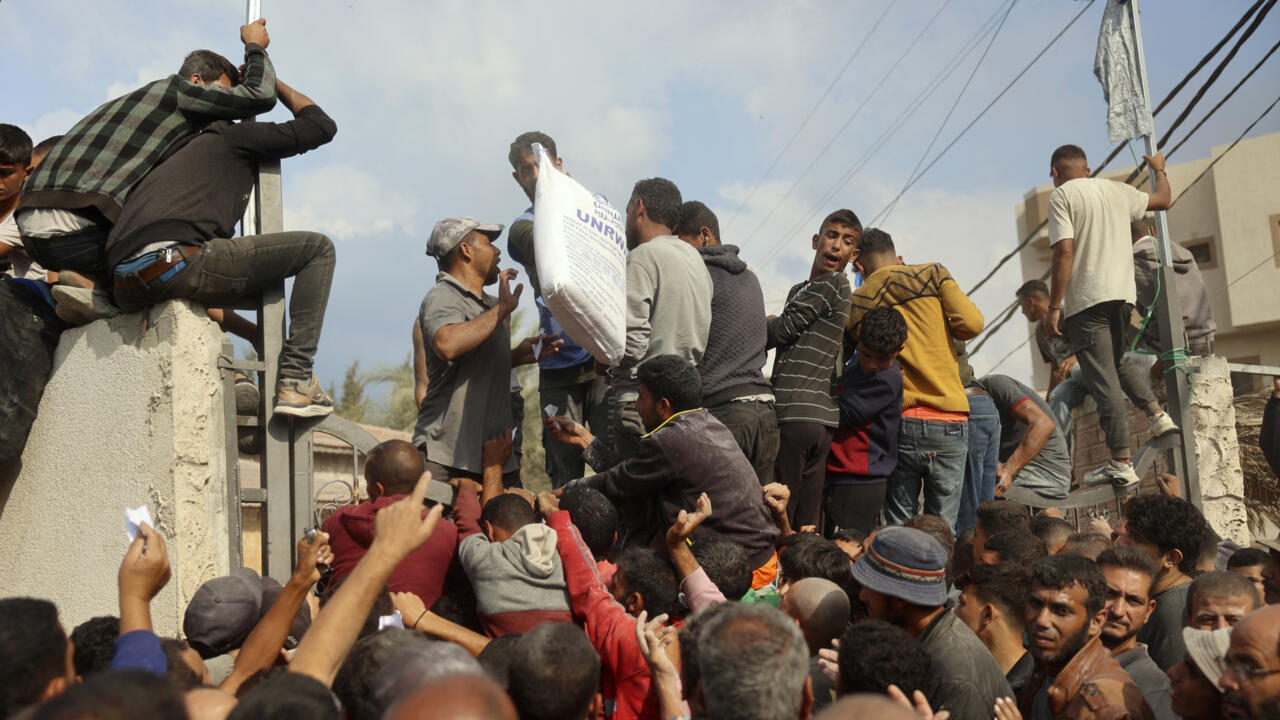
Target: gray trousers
(1097, 335)
(584, 403)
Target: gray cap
(905, 563)
(449, 232)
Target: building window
(1203, 252)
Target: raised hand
(686, 522)
(507, 299)
(776, 497)
(310, 556)
(547, 503)
(145, 569)
(256, 33)
(410, 606)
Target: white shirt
(23, 265)
(1096, 213)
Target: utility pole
(1169, 312)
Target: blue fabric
(571, 353)
(137, 263)
(139, 650)
(931, 457)
(982, 460)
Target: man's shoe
(302, 398)
(1120, 474)
(81, 306)
(1161, 424)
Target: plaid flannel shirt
(100, 160)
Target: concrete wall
(132, 415)
(1213, 419)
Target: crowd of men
(868, 529)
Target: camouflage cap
(451, 231)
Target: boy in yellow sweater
(933, 438)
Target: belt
(168, 262)
(974, 390)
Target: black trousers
(802, 467)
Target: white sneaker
(1120, 474)
(1161, 424)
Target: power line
(984, 111)
(993, 329)
(887, 134)
(1008, 355)
(1226, 97)
(812, 111)
(857, 111)
(955, 104)
(1116, 150)
(1217, 72)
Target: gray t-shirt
(469, 399)
(1007, 394)
(1163, 632)
(1150, 679)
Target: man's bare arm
(453, 341)
(292, 99)
(1060, 275)
(419, 365)
(1162, 197)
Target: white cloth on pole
(1116, 66)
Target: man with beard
(1130, 575)
(668, 305)
(469, 357)
(685, 452)
(1251, 683)
(1075, 675)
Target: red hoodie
(422, 573)
(625, 675)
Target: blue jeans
(982, 460)
(931, 457)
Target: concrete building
(1230, 220)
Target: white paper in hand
(537, 347)
(394, 620)
(135, 517)
(580, 246)
(551, 410)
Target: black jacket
(732, 364)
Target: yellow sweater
(936, 309)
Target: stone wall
(132, 415)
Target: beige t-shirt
(1096, 213)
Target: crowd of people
(867, 530)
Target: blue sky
(427, 95)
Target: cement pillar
(133, 414)
(1213, 417)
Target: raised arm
(144, 571)
(255, 94)
(453, 341)
(263, 645)
(493, 456)
(698, 589)
(399, 529)
(1162, 197)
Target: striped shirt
(808, 335)
(104, 156)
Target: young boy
(15, 166)
(865, 449)
(808, 335)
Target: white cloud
(345, 202)
(53, 123)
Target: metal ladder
(285, 493)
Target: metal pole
(1168, 310)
